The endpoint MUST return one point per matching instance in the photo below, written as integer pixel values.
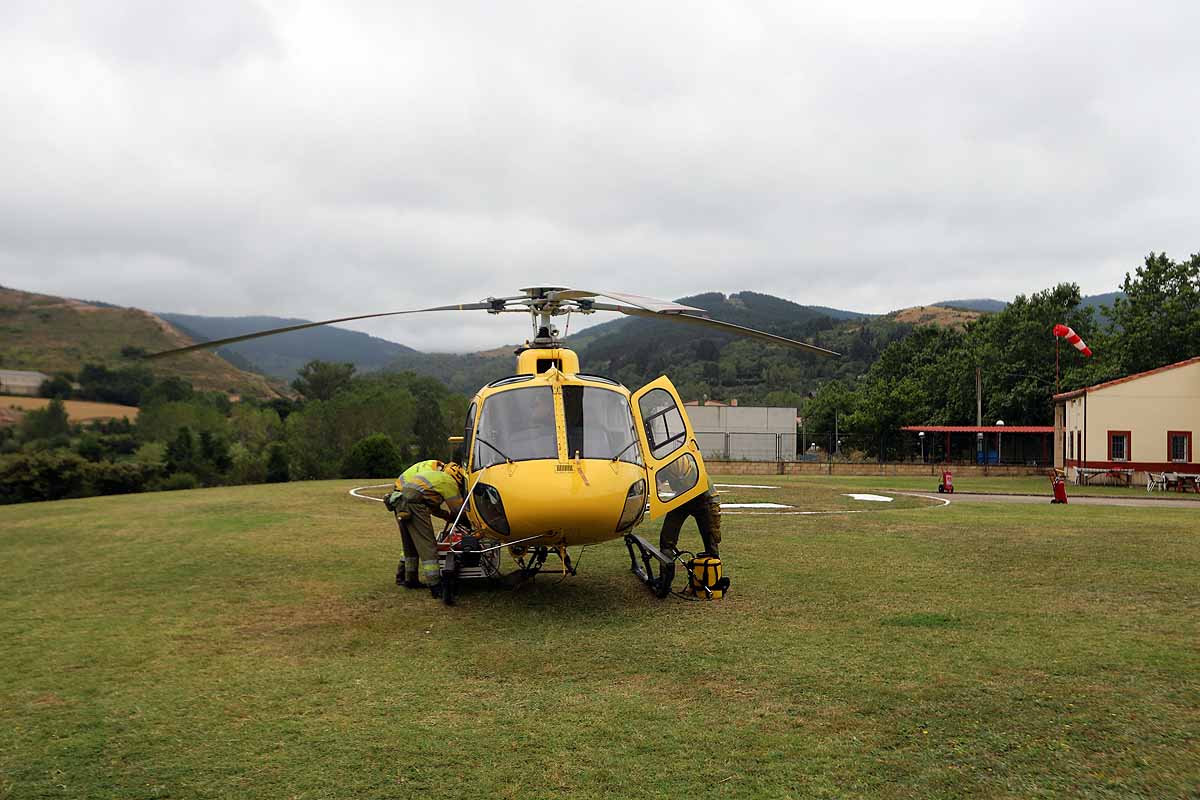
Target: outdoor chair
(1156, 480)
(1171, 480)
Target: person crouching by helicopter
(419, 495)
(705, 508)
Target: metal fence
(899, 447)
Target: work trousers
(417, 539)
(706, 510)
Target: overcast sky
(325, 159)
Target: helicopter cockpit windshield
(516, 425)
(599, 424)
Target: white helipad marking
(876, 498)
(742, 486)
(754, 505)
(944, 502)
(355, 490)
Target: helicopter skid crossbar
(650, 556)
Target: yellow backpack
(705, 572)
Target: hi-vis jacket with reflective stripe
(435, 486)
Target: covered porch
(1027, 445)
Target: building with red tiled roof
(1141, 423)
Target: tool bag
(705, 571)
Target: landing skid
(532, 561)
(651, 557)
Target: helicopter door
(673, 460)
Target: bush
(179, 480)
(125, 477)
(372, 456)
(26, 477)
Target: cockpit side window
(517, 425)
(599, 424)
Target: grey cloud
(317, 161)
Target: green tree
(373, 456)
(162, 421)
(277, 464)
(46, 423)
(58, 386)
(181, 451)
(1158, 320)
(321, 380)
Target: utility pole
(978, 414)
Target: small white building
(744, 433)
(21, 382)
(1145, 423)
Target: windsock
(1072, 337)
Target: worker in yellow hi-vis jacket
(426, 489)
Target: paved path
(1139, 502)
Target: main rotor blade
(716, 324)
(483, 306)
(634, 300)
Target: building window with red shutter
(1118, 445)
(1179, 446)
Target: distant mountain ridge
(988, 305)
(283, 355)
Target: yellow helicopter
(556, 457)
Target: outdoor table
(1086, 474)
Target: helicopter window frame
(469, 433)
(515, 406)
(509, 380)
(661, 448)
(597, 378)
(627, 450)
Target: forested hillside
(282, 356)
(58, 335)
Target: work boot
(666, 576)
(436, 590)
(413, 583)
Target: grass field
(249, 642)
(77, 410)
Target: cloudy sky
(322, 159)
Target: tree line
(928, 376)
(342, 425)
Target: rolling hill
(282, 356)
(56, 334)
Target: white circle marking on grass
(743, 486)
(944, 502)
(354, 492)
(875, 498)
(754, 505)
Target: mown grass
(249, 642)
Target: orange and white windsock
(1072, 337)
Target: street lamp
(921, 436)
(999, 424)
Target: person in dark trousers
(704, 508)
(427, 489)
